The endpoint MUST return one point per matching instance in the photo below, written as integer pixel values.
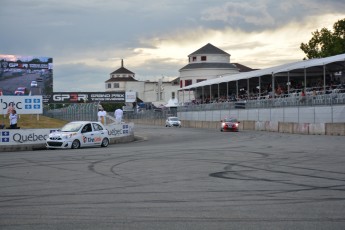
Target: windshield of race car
(71, 127)
(174, 119)
(230, 120)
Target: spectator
(101, 115)
(118, 115)
(13, 119)
(302, 99)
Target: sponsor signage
(20, 137)
(71, 97)
(22, 104)
(120, 130)
(131, 96)
(21, 65)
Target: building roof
(243, 68)
(209, 65)
(117, 79)
(122, 70)
(209, 49)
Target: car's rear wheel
(75, 144)
(105, 142)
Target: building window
(203, 58)
(172, 95)
(181, 83)
(187, 82)
(159, 96)
(194, 58)
(116, 85)
(109, 85)
(200, 80)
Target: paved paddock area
(179, 178)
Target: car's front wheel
(75, 144)
(105, 142)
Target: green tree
(325, 43)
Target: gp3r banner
(22, 104)
(70, 97)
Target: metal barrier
(75, 112)
(150, 114)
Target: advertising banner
(120, 130)
(76, 97)
(131, 96)
(22, 104)
(21, 136)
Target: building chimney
(121, 62)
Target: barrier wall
(269, 126)
(301, 114)
(32, 139)
(314, 120)
(335, 129)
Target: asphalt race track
(179, 178)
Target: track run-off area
(179, 178)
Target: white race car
(78, 134)
(173, 121)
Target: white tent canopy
(314, 62)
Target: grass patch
(31, 121)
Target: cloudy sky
(88, 38)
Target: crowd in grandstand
(292, 89)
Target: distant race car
(229, 124)
(78, 134)
(21, 91)
(34, 84)
(173, 121)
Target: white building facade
(206, 63)
(157, 92)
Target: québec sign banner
(22, 104)
(20, 137)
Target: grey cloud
(232, 12)
(244, 45)
(263, 14)
(70, 77)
